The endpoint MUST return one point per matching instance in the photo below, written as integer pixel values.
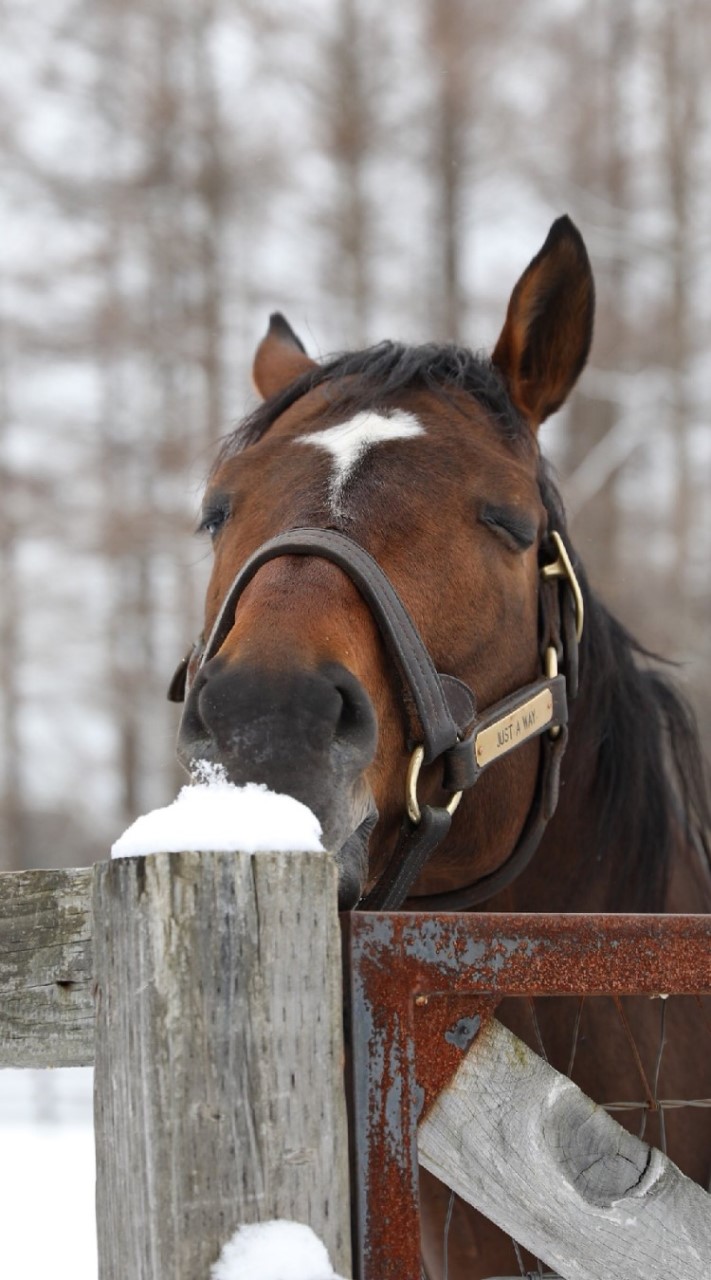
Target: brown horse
(427, 458)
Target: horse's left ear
(548, 330)
(280, 358)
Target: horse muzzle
(310, 734)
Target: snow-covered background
(174, 172)
(47, 1175)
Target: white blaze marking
(348, 441)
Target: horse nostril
(352, 715)
(356, 724)
(199, 688)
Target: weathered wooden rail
(46, 969)
(206, 989)
(533, 1153)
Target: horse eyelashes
(215, 514)
(517, 529)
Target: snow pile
(277, 1250)
(214, 814)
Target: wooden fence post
(219, 1057)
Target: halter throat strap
(448, 726)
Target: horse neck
(588, 862)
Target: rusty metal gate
(420, 986)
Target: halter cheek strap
(501, 729)
(448, 727)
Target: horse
(392, 567)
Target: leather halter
(448, 727)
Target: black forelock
(372, 378)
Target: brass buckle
(562, 568)
(414, 812)
(551, 673)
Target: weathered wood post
(219, 1057)
(528, 1149)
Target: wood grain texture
(219, 1057)
(526, 1147)
(46, 1001)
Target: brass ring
(414, 812)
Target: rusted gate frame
(396, 963)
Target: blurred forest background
(175, 169)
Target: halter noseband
(448, 725)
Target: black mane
(649, 784)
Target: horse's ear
(548, 330)
(280, 358)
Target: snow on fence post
(219, 1094)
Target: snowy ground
(46, 1176)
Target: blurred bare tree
(12, 802)
(176, 170)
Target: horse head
(426, 458)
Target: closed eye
(514, 527)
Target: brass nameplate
(514, 728)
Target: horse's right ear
(548, 329)
(280, 358)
